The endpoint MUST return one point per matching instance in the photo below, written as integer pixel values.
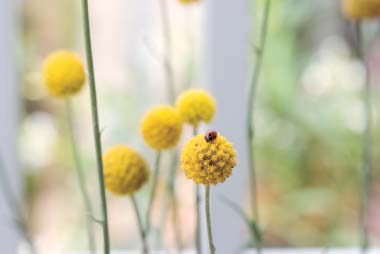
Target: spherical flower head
(63, 74)
(195, 106)
(208, 162)
(161, 127)
(125, 170)
(361, 9)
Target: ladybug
(211, 135)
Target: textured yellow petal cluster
(161, 127)
(195, 106)
(125, 171)
(210, 162)
(361, 9)
(189, 1)
(63, 74)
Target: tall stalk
(145, 248)
(11, 200)
(171, 202)
(168, 50)
(208, 220)
(198, 238)
(95, 125)
(174, 203)
(152, 194)
(250, 117)
(366, 143)
(171, 93)
(81, 179)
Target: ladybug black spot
(211, 135)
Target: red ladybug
(211, 135)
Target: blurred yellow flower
(208, 162)
(195, 106)
(125, 170)
(361, 9)
(189, 1)
(63, 74)
(161, 127)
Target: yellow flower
(63, 74)
(188, 1)
(161, 127)
(361, 9)
(210, 162)
(125, 171)
(195, 106)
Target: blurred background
(309, 118)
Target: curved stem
(366, 145)
(168, 51)
(250, 117)
(81, 179)
(153, 191)
(95, 125)
(145, 248)
(208, 219)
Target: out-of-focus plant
(253, 222)
(125, 172)
(196, 106)
(18, 217)
(208, 159)
(161, 128)
(359, 11)
(64, 76)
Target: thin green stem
(168, 50)
(198, 239)
(95, 125)
(11, 199)
(250, 116)
(208, 220)
(175, 219)
(81, 178)
(366, 144)
(153, 191)
(171, 202)
(144, 243)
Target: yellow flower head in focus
(195, 106)
(189, 1)
(208, 162)
(63, 74)
(125, 171)
(361, 9)
(161, 127)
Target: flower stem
(175, 218)
(171, 202)
(208, 219)
(366, 144)
(81, 179)
(168, 50)
(198, 241)
(250, 117)
(153, 190)
(145, 248)
(95, 125)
